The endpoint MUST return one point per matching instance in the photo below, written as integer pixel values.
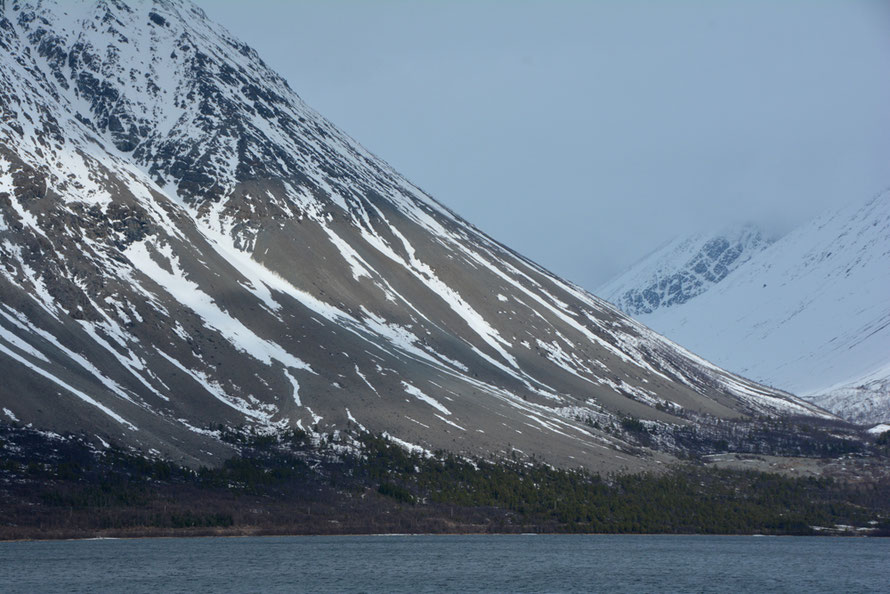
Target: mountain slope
(809, 314)
(186, 244)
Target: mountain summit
(185, 244)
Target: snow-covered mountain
(683, 269)
(809, 313)
(186, 244)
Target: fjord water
(565, 563)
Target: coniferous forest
(292, 483)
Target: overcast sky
(585, 134)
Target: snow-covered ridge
(683, 269)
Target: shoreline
(262, 533)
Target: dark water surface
(449, 563)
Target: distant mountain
(186, 246)
(683, 269)
(809, 313)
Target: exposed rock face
(683, 269)
(185, 243)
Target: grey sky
(584, 134)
